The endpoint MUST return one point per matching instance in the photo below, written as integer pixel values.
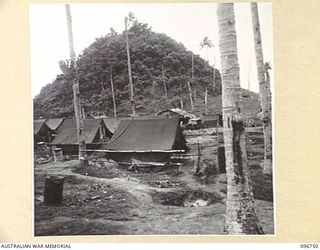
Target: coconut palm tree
(206, 44)
(128, 19)
(240, 212)
(264, 91)
(69, 68)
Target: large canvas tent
(95, 133)
(111, 123)
(146, 139)
(54, 123)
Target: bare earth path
(147, 217)
(150, 218)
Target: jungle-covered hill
(156, 60)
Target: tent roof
(111, 123)
(54, 123)
(38, 125)
(148, 134)
(67, 132)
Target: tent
(111, 123)
(41, 132)
(95, 133)
(54, 123)
(146, 139)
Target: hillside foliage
(156, 59)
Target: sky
(187, 23)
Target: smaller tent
(41, 132)
(95, 133)
(146, 139)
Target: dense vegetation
(155, 58)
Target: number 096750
(309, 246)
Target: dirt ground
(107, 199)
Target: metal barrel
(53, 190)
(57, 154)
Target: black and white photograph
(152, 119)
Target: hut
(183, 115)
(146, 140)
(95, 133)
(212, 121)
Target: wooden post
(129, 68)
(76, 92)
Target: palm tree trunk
(189, 84)
(164, 82)
(113, 96)
(76, 92)
(264, 89)
(181, 97)
(190, 95)
(206, 100)
(129, 69)
(214, 79)
(240, 212)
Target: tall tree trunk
(189, 84)
(264, 90)
(83, 114)
(206, 100)
(129, 68)
(214, 75)
(164, 82)
(76, 92)
(113, 96)
(190, 95)
(181, 97)
(240, 212)
(214, 80)
(192, 67)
